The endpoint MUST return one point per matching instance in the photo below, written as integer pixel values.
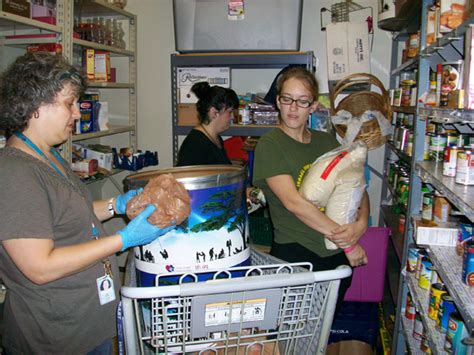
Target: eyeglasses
(286, 100)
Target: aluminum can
(437, 290)
(455, 334)
(446, 307)
(465, 168)
(450, 159)
(468, 263)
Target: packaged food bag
(336, 182)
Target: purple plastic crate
(368, 281)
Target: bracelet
(349, 249)
(110, 206)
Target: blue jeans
(103, 349)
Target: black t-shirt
(197, 149)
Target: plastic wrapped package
(336, 182)
(170, 198)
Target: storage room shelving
(237, 60)
(66, 10)
(447, 263)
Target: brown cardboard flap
(353, 347)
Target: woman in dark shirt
(204, 145)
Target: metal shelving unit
(445, 259)
(234, 60)
(62, 32)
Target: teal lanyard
(33, 146)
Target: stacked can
(468, 263)
(465, 167)
(412, 259)
(437, 290)
(410, 309)
(455, 334)
(445, 309)
(422, 254)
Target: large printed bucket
(215, 235)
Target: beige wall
(156, 43)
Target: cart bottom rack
(274, 308)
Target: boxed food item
(88, 63)
(256, 25)
(17, 7)
(103, 155)
(53, 48)
(187, 77)
(101, 66)
(347, 48)
(431, 233)
(453, 13)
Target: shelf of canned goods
(413, 344)
(449, 267)
(428, 329)
(460, 195)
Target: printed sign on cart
(247, 311)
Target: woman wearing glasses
(282, 156)
(204, 145)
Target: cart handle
(237, 284)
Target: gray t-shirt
(63, 316)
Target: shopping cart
(271, 308)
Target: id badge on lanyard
(105, 284)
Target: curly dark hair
(31, 81)
(213, 96)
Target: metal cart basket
(270, 307)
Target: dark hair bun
(201, 89)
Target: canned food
(450, 160)
(412, 258)
(450, 80)
(403, 191)
(468, 263)
(422, 254)
(417, 327)
(437, 145)
(425, 274)
(426, 148)
(409, 148)
(401, 223)
(424, 190)
(465, 168)
(434, 276)
(446, 307)
(451, 139)
(410, 310)
(427, 209)
(425, 345)
(437, 290)
(441, 209)
(431, 127)
(455, 334)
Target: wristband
(110, 206)
(349, 249)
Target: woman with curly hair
(54, 252)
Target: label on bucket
(215, 235)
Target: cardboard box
(101, 66)
(88, 59)
(436, 234)
(187, 77)
(353, 347)
(347, 47)
(105, 158)
(187, 115)
(17, 7)
(453, 13)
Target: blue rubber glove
(122, 200)
(139, 231)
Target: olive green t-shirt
(278, 154)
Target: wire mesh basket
(357, 103)
(273, 308)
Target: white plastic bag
(336, 182)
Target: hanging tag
(236, 10)
(105, 288)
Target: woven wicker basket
(360, 101)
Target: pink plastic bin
(368, 281)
